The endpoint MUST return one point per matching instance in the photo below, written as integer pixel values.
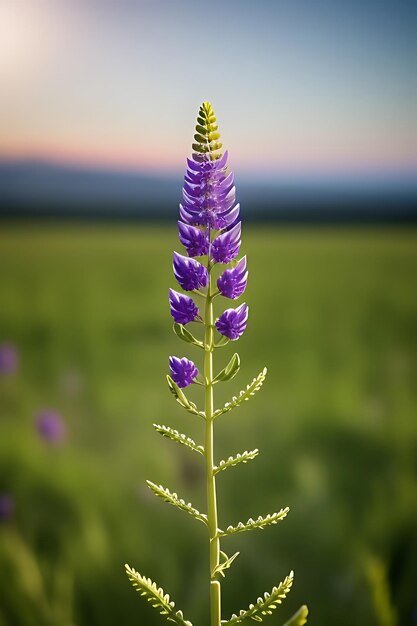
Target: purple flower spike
(6, 507)
(183, 308)
(209, 193)
(232, 283)
(226, 246)
(50, 426)
(232, 323)
(183, 371)
(194, 239)
(9, 359)
(189, 273)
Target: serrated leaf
(172, 498)
(224, 565)
(182, 399)
(299, 618)
(156, 597)
(173, 434)
(244, 395)
(251, 524)
(230, 371)
(184, 334)
(264, 605)
(234, 460)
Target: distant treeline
(388, 211)
(44, 191)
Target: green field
(333, 316)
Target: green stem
(215, 599)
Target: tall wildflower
(210, 232)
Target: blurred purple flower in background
(6, 507)
(232, 323)
(50, 426)
(183, 371)
(9, 359)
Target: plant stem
(215, 598)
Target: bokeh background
(316, 104)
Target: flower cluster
(209, 227)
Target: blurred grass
(332, 315)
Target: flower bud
(183, 371)
(183, 308)
(232, 283)
(189, 273)
(232, 323)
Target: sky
(300, 87)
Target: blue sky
(300, 87)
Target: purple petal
(226, 246)
(229, 217)
(183, 371)
(232, 323)
(194, 239)
(232, 283)
(183, 308)
(189, 273)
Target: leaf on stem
(223, 341)
(185, 335)
(172, 498)
(182, 399)
(156, 597)
(251, 524)
(224, 565)
(235, 460)
(229, 371)
(244, 395)
(173, 434)
(264, 606)
(299, 618)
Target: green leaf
(166, 431)
(251, 524)
(182, 399)
(224, 565)
(199, 148)
(200, 138)
(213, 136)
(234, 460)
(156, 597)
(223, 341)
(185, 335)
(229, 371)
(202, 130)
(299, 618)
(264, 606)
(244, 395)
(172, 498)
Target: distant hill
(42, 189)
